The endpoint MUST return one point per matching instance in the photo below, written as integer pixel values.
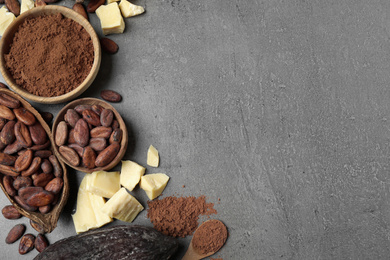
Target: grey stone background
(280, 109)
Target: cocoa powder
(210, 237)
(178, 216)
(50, 55)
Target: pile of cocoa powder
(50, 55)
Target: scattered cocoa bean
(21, 182)
(13, 6)
(34, 167)
(56, 166)
(13, 148)
(5, 112)
(27, 192)
(116, 136)
(45, 209)
(7, 135)
(40, 199)
(38, 133)
(2, 123)
(71, 137)
(106, 117)
(98, 143)
(91, 117)
(79, 150)
(107, 155)
(93, 5)
(15, 233)
(108, 45)
(55, 185)
(25, 116)
(70, 155)
(79, 8)
(24, 160)
(43, 154)
(81, 133)
(47, 116)
(40, 3)
(80, 108)
(110, 96)
(26, 244)
(23, 204)
(41, 243)
(8, 170)
(89, 157)
(10, 212)
(42, 179)
(72, 117)
(6, 159)
(46, 166)
(61, 133)
(9, 101)
(38, 147)
(8, 185)
(97, 109)
(36, 226)
(22, 134)
(115, 124)
(101, 131)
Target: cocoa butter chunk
(153, 158)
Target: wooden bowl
(47, 221)
(122, 125)
(7, 39)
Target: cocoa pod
(89, 157)
(45, 209)
(46, 166)
(71, 117)
(115, 124)
(27, 192)
(47, 116)
(34, 167)
(97, 109)
(8, 170)
(107, 155)
(38, 133)
(43, 154)
(106, 117)
(7, 135)
(15, 233)
(70, 155)
(38, 147)
(79, 8)
(110, 96)
(81, 133)
(6, 159)
(98, 143)
(23, 204)
(9, 101)
(10, 212)
(55, 185)
(21, 182)
(5, 112)
(8, 185)
(56, 166)
(101, 131)
(116, 136)
(37, 226)
(91, 117)
(26, 244)
(61, 133)
(22, 134)
(24, 160)
(40, 199)
(25, 116)
(79, 150)
(14, 7)
(2, 123)
(41, 243)
(93, 5)
(108, 45)
(80, 108)
(71, 137)
(42, 179)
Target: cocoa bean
(55, 185)
(42, 179)
(109, 46)
(38, 147)
(38, 133)
(24, 205)
(79, 150)
(21, 182)
(2, 123)
(61, 133)
(15, 233)
(8, 170)
(40, 3)
(14, 7)
(13, 148)
(115, 124)
(37, 226)
(79, 8)
(70, 155)
(106, 117)
(26, 244)
(72, 117)
(40, 199)
(116, 136)
(9, 101)
(45, 209)
(80, 108)
(27, 192)
(6, 113)
(93, 5)
(6, 159)
(81, 133)
(56, 166)
(24, 160)
(71, 137)
(22, 134)
(25, 116)
(8, 185)
(2, 85)
(7, 135)
(46, 166)
(110, 96)
(97, 109)
(91, 117)
(43, 154)
(10, 212)
(107, 155)
(47, 116)
(41, 243)
(98, 143)
(34, 167)
(89, 157)
(101, 131)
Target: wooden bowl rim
(7, 37)
(91, 101)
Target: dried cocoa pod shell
(70, 155)
(79, 150)
(116, 136)
(9, 101)
(7, 135)
(42, 179)
(79, 8)
(38, 147)
(26, 244)
(34, 167)
(38, 133)
(106, 117)
(58, 172)
(22, 134)
(89, 157)
(8, 185)
(13, 148)
(91, 117)
(14, 7)
(80, 108)
(101, 131)
(22, 182)
(109, 46)
(15, 233)
(98, 143)
(55, 185)
(61, 133)
(25, 116)
(43, 154)
(6, 159)
(10, 212)
(41, 243)
(8, 170)
(22, 203)
(46, 166)
(97, 109)
(110, 96)
(71, 117)
(24, 160)
(93, 5)
(5, 112)
(107, 155)
(40, 199)
(81, 133)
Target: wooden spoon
(193, 253)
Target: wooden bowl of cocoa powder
(50, 54)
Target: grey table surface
(276, 111)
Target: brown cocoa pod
(79, 8)
(26, 244)
(91, 117)
(40, 199)
(71, 137)
(21, 182)
(47, 116)
(8, 170)
(56, 166)
(81, 133)
(106, 117)
(24, 160)
(79, 150)
(72, 117)
(37, 226)
(10, 212)
(27, 192)
(98, 144)
(34, 167)
(13, 148)
(2, 123)
(6, 113)
(43, 154)
(2, 85)
(38, 133)
(46, 166)
(97, 109)
(25, 116)
(41, 243)
(7, 135)
(109, 46)
(14, 7)
(38, 147)
(116, 136)
(22, 134)
(70, 155)
(55, 185)
(45, 209)
(61, 133)
(89, 157)
(42, 179)
(8, 185)
(15, 233)
(115, 124)
(80, 108)
(110, 96)
(94, 4)
(24, 205)
(101, 131)
(107, 155)
(6, 159)
(9, 101)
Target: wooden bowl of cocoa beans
(89, 135)
(31, 176)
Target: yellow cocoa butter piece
(154, 184)
(104, 184)
(153, 158)
(128, 9)
(6, 18)
(131, 173)
(111, 19)
(26, 5)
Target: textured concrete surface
(280, 109)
